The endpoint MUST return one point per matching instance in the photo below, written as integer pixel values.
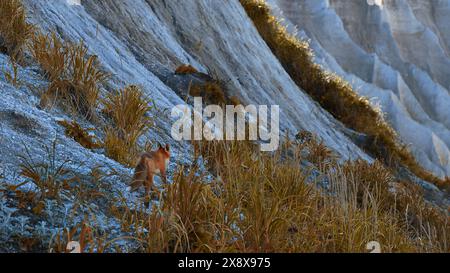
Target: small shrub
(234, 100)
(74, 76)
(185, 69)
(14, 29)
(318, 153)
(211, 92)
(128, 110)
(119, 148)
(80, 135)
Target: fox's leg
(138, 179)
(148, 187)
(163, 175)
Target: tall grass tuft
(80, 135)
(48, 175)
(74, 76)
(14, 29)
(128, 111)
(332, 92)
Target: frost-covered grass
(60, 205)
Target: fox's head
(165, 151)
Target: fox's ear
(167, 147)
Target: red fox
(151, 163)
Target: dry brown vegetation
(332, 92)
(268, 203)
(81, 135)
(14, 29)
(74, 76)
(186, 69)
(128, 111)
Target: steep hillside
(92, 84)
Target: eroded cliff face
(395, 52)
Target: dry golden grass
(51, 54)
(14, 29)
(186, 69)
(318, 153)
(264, 203)
(80, 135)
(332, 92)
(128, 110)
(74, 76)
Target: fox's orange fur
(150, 163)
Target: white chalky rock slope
(140, 42)
(395, 52)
